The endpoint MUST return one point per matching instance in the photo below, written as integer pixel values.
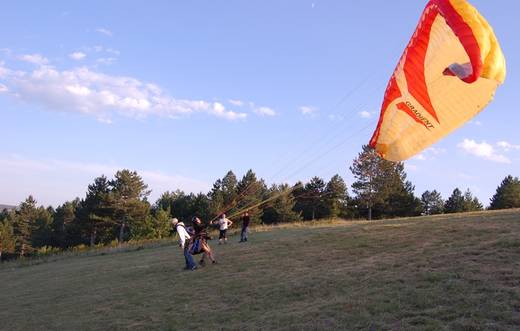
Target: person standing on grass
(245, 227)
(184, 240)
(199, 243)
(223, 225)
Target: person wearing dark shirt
(245, 227)
(200, 241)
(199, 228)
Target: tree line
(118, 209)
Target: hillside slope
(446, 272)
(8, 207)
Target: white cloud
(506, 146)
(73, 178)
(34, 59)
(429, 154)
(420, 157)
(77, 56)
(94, 93)
(260, 111)
(219, 110)
(435, 150)
(102, 49)
(3, 88)
(308, 110)
(105, 32)
(106, 56)
(238, 103)
(365, 114)
(78, 90)
(3, 70)
(112, 51)
(265, 111)
(106, 60)
(97, 48)
(482, 150)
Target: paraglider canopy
(447, 74)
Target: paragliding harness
(195, 247)
(198, 241)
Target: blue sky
(183, 91)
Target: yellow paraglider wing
(447, 74)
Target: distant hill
(8, 207)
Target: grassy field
(459, 272)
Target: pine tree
(216, 195)
(42, 228)
(382, 187)
(432, 203)
(23, 225)
(507, 195)
(366, 169)
(229, 188)
(311, 199)
(162, 224)
(64, 225)
(251, 192)
(177, 202)
(298, 191)
(399, 199)
(335, 197)
(224, 195)
(455, 203)
(471, 203)
(7, 238)
(95, 213)
(280, 209)
(200, 206)
(127, 199)
(3, 214)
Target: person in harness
(184, 243)
(200, 241)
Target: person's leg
(187, 262)
(190, 264)
(242, 235)
(220, 236)
(225, 236)
(209, 253)
(211, 257)
(246, 230)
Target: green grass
(457, 272)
